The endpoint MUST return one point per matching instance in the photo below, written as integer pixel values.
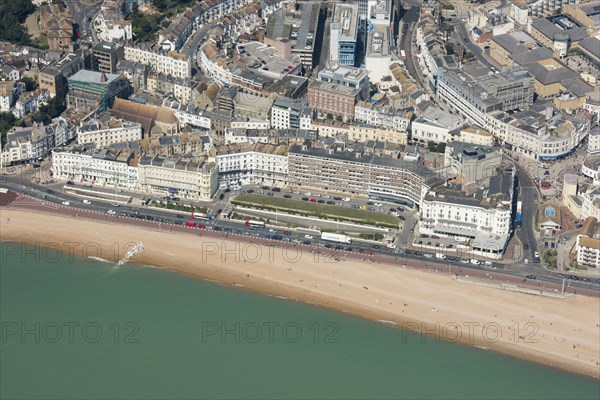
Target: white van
(474, 261)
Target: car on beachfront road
(66, 203)
(85, 201)
(111, 212)
(114, 204)
(308, 237)
(532, 277)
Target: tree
(53, 108)
(12, 15)
(431, 146)
(7, 121)
(339, 118)
(441, 148)
(329, 116)
(449, 49)
(30, 83)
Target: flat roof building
(344, 34)
(294, 29)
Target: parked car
(86, 201)
(287, 196)
(375, 247)
(331, 202)
(114, 204)
(313, 200)
(308, 237)
(321, 201)
(42, 196)
(306, 242)
(305, 199)
(270, 194)
(221, 196)
(287, 233)
(337, 198)
(402, 218)
(276, 189)
(217, 228)
(66, 203)
(369, 203)
(111, 212)
(532, 277)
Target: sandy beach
(561, 332)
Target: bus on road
(255, 224)
(202, 216)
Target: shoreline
(561, 333)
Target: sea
(74, 328)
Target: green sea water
(76, 329)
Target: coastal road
(238, 232)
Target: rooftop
(345, 19)
(87, 76)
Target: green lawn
(316, 209)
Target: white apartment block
(105, 130)
(483, 217)
(168, 63)
(187, 115)
(590, 203)
(434, 125)
(250, 124)
(291, 114)
(215, 64)
(588, 243)
(363, 133)
(385, 117)
(101, 167)
(33, 143)
(538, 138)
(184, 178)
(593, 146)
(261, 163)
